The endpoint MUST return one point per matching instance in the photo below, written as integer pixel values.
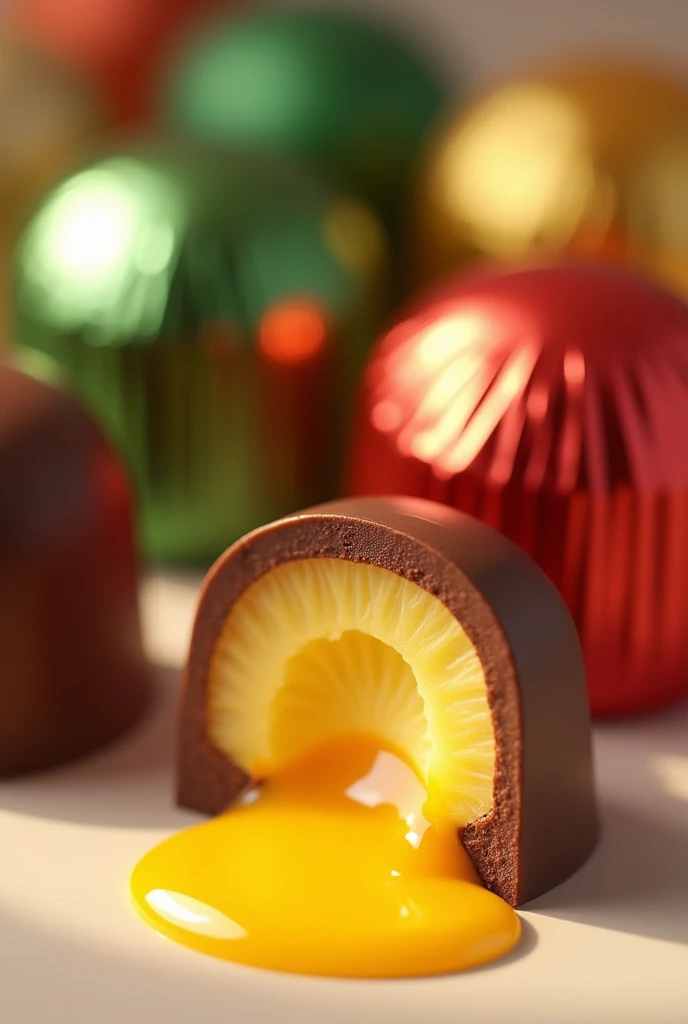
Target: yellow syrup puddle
(329, 868)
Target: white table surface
(610, 946)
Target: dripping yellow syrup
(329, 867)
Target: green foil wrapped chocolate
(213, 310)
(328, 87)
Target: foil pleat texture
(185, 425)
(146, 277)
(552, 403)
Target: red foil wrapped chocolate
(118, 46)
(552, 403)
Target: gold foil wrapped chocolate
(591, 158)
(47, 122)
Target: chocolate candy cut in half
(404, 619)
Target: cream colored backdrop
(482, 39)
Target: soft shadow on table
(128, 784)
(637, 879)
(635, 882)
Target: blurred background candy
(117, 45)
(73, 674)
(213, 298)
(589, 157)
(213, 310)
(332, 88)
(48, 120)
(552, 403)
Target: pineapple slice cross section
(322, 647)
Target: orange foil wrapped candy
(552, 403)
(118, 45)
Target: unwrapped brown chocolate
(505, 730)
(72, 670)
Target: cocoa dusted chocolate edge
(543, 823)
(73, 674)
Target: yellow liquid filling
(327, 868)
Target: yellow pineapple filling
(322, 648)
(359, 706)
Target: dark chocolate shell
(542, 822)
(73, 673)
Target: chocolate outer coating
(543, 823)
(72, 670)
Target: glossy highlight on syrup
(327, 868)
